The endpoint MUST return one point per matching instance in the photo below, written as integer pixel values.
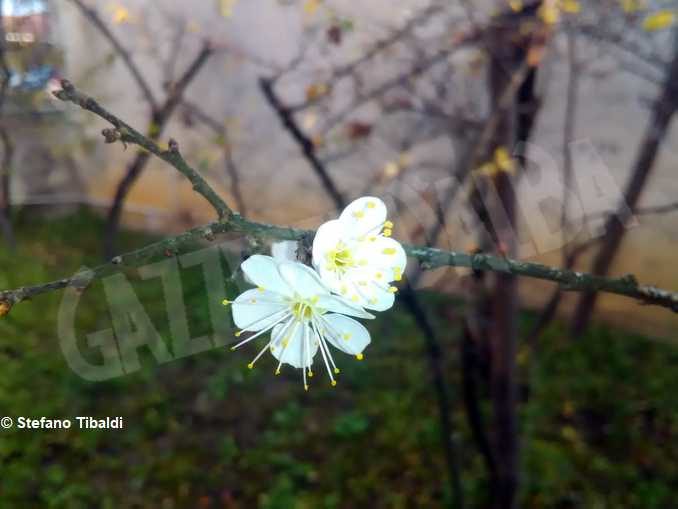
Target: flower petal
(291, 349)
(255, 310)
(337, 304)
(262, 271)
(363, 216)
(326, 238)
(303, 280)
(345, 333)
(374, 295)
(383, 254)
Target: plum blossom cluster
(308, 309)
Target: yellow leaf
(503, 160)
(659, 20)
(120, 14)
(549, 13)
(391, 169)
(226, 7)
(311, 6)
(631, 6)
(570, 6)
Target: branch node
(117, 260)
(173, 145)
(111, 135)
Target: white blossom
(292, 303)
(356, 257)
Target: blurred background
(541, 130)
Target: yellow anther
(392, 289)
(336, 371)
(373, 300)
(378, 275)
(397, 273)
(355, 298)
(310, 374)
(388, 233)
(389, 251)
(344, 290)
(232, 348)
(226, 302)
(237, 333)
(250, 366)
(260, 288)
(388, 224)
(306, 387)
(373, 238)
(358, 214)
(285, 342)
(346, 336)
(334, 382)
(277, 371)
(314, 299)
(359, 356)
(371, 204)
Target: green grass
(600, 426)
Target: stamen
(388, 224)
(323, 341)
(261, 352)
(387, 233)
(371, 204)
(359, 356)
(322, 346)
(263, 331)
(226, 302)
(392, 289)
(358, 214)
(389, 251)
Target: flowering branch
(232, 222)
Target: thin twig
(96, 20)
(306, 145)
(124, 133)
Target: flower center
(305, 309)
(340, 258)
